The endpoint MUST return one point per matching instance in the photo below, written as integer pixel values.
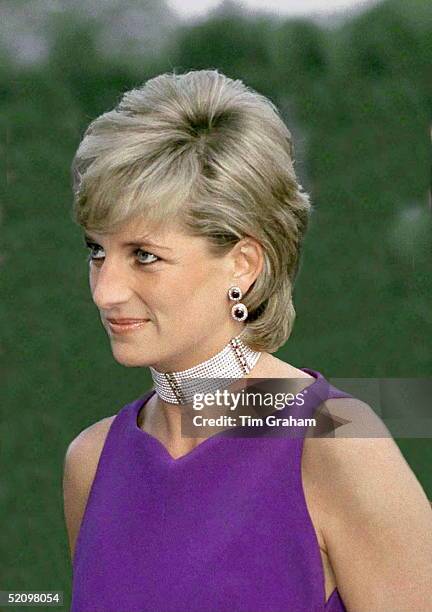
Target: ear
(247, 260)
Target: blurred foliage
(357, 97)
(237, 45)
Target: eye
(92, 247)
(143, 255)
(147, 254)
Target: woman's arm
(375, 519)
(80, 464)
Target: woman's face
(170, 280)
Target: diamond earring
(239, 312)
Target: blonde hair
(215, 155)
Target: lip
(130, 326)
(125, 321)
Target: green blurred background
(357, 96)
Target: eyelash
(92, 245)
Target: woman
(194, 220)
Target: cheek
(91, 278)
(189, 289)
(93, 275)
(207, 291)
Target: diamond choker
(234, 361)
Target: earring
(239, 312)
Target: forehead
(139, 232)
(134, 226)
(142, 228)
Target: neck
(235, 360)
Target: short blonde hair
(215, 155)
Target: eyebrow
(138, 242)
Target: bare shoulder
(360, 452)
(88, 441)
(270, 366)
(79, 469)
(365, 498)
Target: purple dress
(225, 528)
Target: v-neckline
(208, 442)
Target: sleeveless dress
(224, 528)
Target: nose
(109, 284)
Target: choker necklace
(234, 361)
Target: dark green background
(357, 97)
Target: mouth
(125, 321)
(119, 326)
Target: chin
(131, 359)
